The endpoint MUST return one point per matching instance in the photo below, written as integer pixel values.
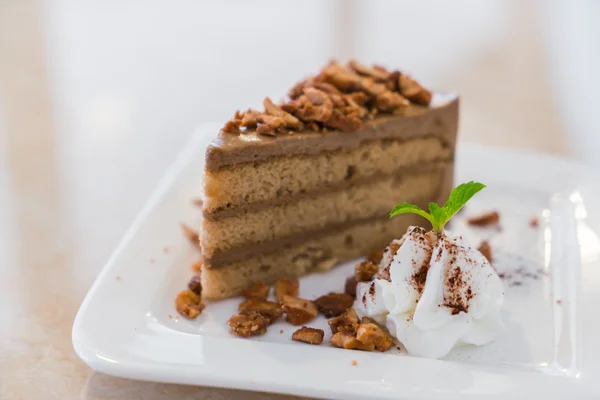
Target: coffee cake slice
(309, 183)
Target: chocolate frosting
(439, 119)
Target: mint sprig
(439, 216)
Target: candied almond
(250, 119)
(258, 290)
(350, 286)
(413, 91)
(340, 77)
(231, 127)
(376, 73)
(389, 101)
(309, 335)
(287, 287)
(191, 234)
(334, 304)
(266, 130)
(288, 119)
(365, 270)
(339, 121)
(248, 324)
(317, 97)
(194, 285)
(189, 304)
(485, 249)
(346, 323)
(269, 309)
(486, 219)
(298, 311)
(349, 342)
(372, 333)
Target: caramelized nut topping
(339, 97)
(413, 91)
(346, 323)
(487, 219)
(349, 342)
(372, 333)
(485, 249)
(298, 311)
(248, 324)
(270, 310)
(258, 290)
(350, 286)
(364, 271)
(189, 304)
(309, 335)
(334, 304)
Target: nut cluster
(340, 97)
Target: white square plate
(127, 325)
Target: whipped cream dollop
(434, 292)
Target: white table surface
(97, 99)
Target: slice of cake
(310, 183)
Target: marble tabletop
(96, 100)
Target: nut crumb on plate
(334, 304)
(194, 285)
(375, 334)
(345, 323)
(364, 271)
(350, 342)
(485, 249)
(308, 335)
(534, 222)
(270, 310)
(298, 311)
(189, 304)
(559, 302)
(198, 202)
(486, 219)
(286, 287)
(257, 290)
(354, 363)
(191, 234)
(249, 324)
(350, 286)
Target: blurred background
(97, 98)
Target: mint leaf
(439, 216)
(407, 208)
(459, 197)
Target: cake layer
(320, 253)
(239, 234)
(280, 178)
(439, 119)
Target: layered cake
(309, 183)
